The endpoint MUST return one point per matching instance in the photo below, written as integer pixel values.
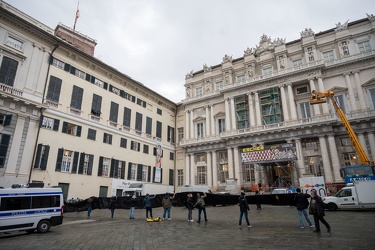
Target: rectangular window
(159, 111)
(221, 125)
(145, 148)
(200, 130)
(123, 142)
(201, 175)
(71, 129)
(4, 143)
(240, 78)
(364, 47)
(297, 64)
(86, 164)
(180, 177)
(148, 125)
(91, 134)
(77, 95)
(242, 111)
(180, 134)
(96, 105)
(267, 71)
(80, 74)
(198, 91)
(144, 173)
(170, 136)
(57, 63)
(127, 117)
(270, 106)
(158, 129)
(171, 156)
(138, 122)
(302, 90)
(99, 83)
(136, 146)
(372, 96)
(113, 112)
(14, 43)
(340, 101)
(328, 56)
(219, 85)
(41, 156)
(54, 88)
(50, 123)
(106, 167)
(133, 171)
(114, 90)
(350, 159)
(305, 110)
(345, 48)
(107, 138)
(67, 161)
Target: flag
(77, 16)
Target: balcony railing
(11, 90)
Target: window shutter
(89, 169)
(113, 165)
(92, 79)
(139, 147)
(50, 59)
(37, 157)
(153, 174)
(4, 148)
(122, 93)
(133, 99)
(169, 134)
(149, 174)
(72, 70)
(105, 86)
(64, 127)
(8, 120)
(139, 172)
(171, 175)
(110, 88)
(122, 170)
(79, 129)
(60, 153)
(81, 163)
(161, 175)
(88, 77)
(67, 67)
(45, 157)
(129, 171)
(100, 168)
(75, 162)
(56, 124)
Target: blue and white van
(27, 209)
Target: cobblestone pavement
(274, 227)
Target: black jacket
(317, 206)
(242, 202)
(190, 203)
(302, 201)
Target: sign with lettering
(269, 153)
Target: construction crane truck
(366, 170)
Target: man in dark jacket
(244, 209)
(317, 210)
(190, 206)
(302, 203)
(148, 205)
(167, 205)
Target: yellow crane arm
(320, 97)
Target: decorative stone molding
(340, 27)
(189, 75)
(227, 59)
(206, 68)
(307, 32)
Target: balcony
(10, 90)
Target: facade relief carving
(371, 17)
(248, 52)
(340, 27)
(227, 59)
(189, 75)
(206, 68)
(267, 45)
(307, 32)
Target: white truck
(359, 195)
(141, 189)
(195, 188)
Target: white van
(27, 209)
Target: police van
(30, 209)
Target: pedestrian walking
(244, 209)
(259, 207)
(112, 205)
(148, 205)
(317, 210)
(201, 205)
(302, 203)
(190, 206)
(89, 206)
(167, 205)
(133, 203)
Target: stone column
(325, 158)
(227, 115)
(362, 141)
(251, 110)
(187, 122)
(233, 113)
(292, 105)
(214, 170)
(312, 87)
(237, 167)
(208, 121)
(257, 110)
(257, 174)
(300, 160)
(351, 96)
(213, 131)
(321, 88)
(15, 148)
(293, 169)
(371, 141)
(192, 169)
(230, 162)
(284, 103)
(335, 158)
(187, 169)
(361, 95)
(209, 169)
(192, 135)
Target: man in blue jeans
(302, 203)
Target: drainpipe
(41, 110)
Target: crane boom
(321, 97)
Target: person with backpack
(167, 205)
(302, 203)
(244, 209)
(148, 205)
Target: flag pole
(77, 16)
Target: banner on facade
(159, 154)
(157, 175)
(317, 183)
(269, 153)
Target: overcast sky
(157, 42)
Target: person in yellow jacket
(201, 205)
